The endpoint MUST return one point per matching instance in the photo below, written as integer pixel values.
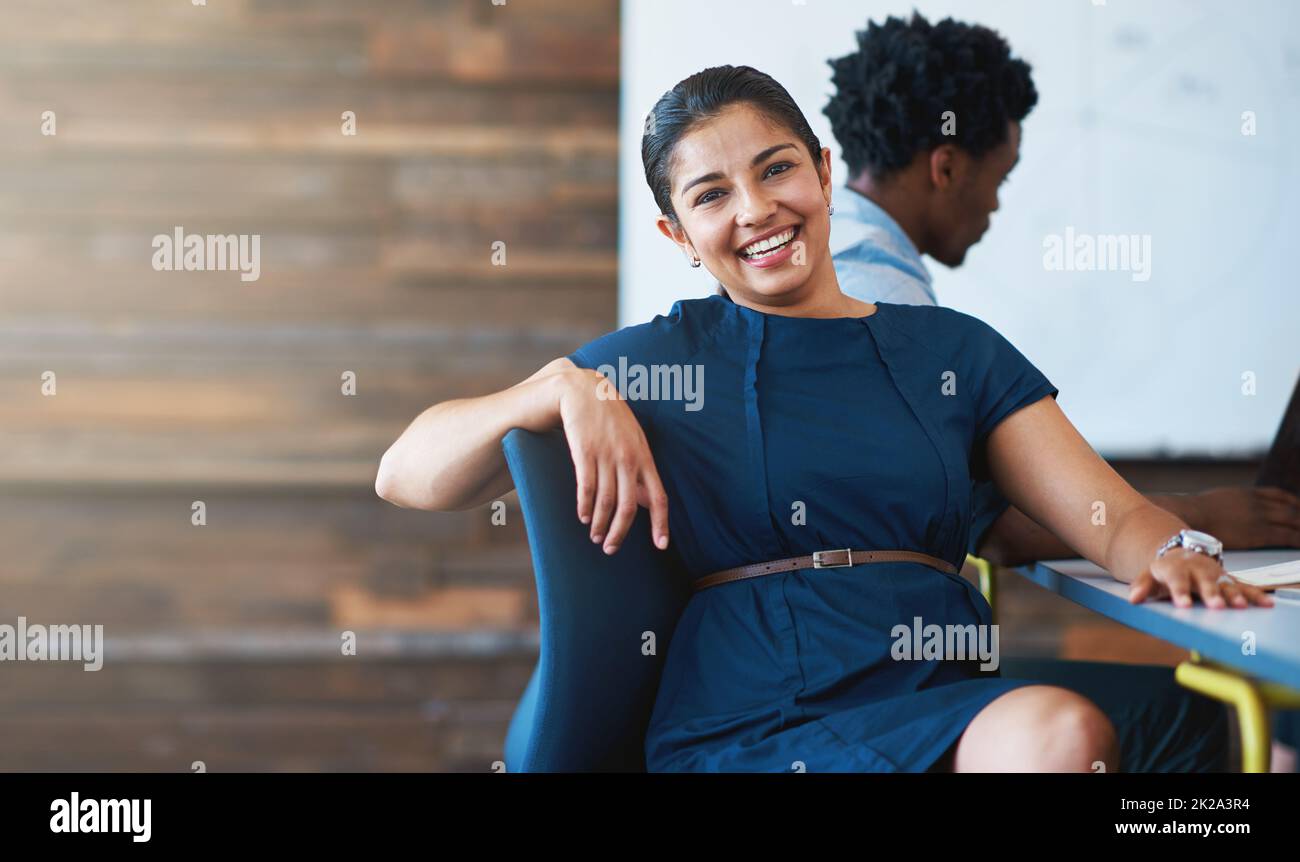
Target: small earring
(830, 209)
(695, 261)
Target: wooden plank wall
(476, 124)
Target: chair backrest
(588, 703)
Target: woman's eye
(770, 172)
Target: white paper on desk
(1276, 575)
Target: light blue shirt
(874, 259)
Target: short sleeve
(628, 345)
(619, 355)
(607, 354)
(1003, 379)
(579, 358)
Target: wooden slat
(129, 558)
(95, 135)
(512, 50)
(323, 537)
(483, 302)
(463, 41)
(300, 99)
(262, 427)
(359, 681)
(252, 740)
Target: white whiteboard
(1138, 130)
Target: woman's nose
(755, 206)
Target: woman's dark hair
(702, 97)
(892, 93)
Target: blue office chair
(589, 701)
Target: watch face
(1211, 543)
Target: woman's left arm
(1048, 471)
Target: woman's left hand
(1182, 573)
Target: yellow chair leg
(1279, 696)
(988, 581)
(1245, 696)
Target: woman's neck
(820, 296)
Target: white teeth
(763, 255)
(768, 245)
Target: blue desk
(1219, 667)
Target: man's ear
(945, 166)
(824, 171)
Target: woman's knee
(1084, 737)
(1039, 728)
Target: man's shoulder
(875, 268)
(881, 282)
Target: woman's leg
(1162, 726)
(1038, 728)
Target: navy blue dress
(809, 434)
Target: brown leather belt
(823, 560)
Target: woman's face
(740, 179)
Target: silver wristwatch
(1195, 540)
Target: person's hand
(1182, 573)
(616, 472)
(1248, 517)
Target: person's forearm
(450, 456)
(1015, 539)
(1183, 506)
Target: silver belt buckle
(818, 564)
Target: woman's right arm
(450, 457)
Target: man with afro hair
(928, 118)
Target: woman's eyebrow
(717, 175)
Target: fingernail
(597, 538)
(586, 519)
(662, 541)
(609, 549)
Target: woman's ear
(671, 229)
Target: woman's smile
(771, 250)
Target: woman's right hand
(615, 469)
(1182, 573)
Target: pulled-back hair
(702, 97)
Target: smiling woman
(843, 412)
(748, 191)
